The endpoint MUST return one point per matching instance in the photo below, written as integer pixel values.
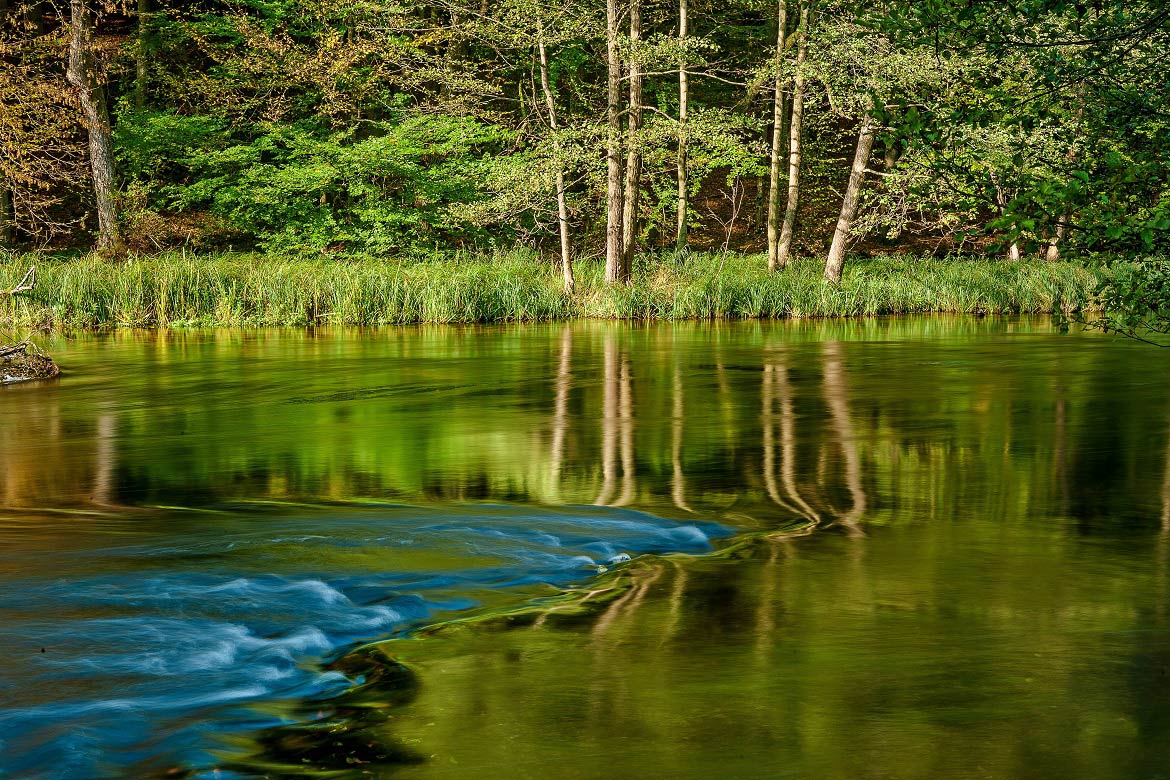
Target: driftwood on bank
(22, 361)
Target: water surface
(950, 562)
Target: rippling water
(941, 551)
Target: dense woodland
(591, 131)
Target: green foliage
(1134, 301)
(296, 187)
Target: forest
(588, 135)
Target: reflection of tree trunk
(609, 422)
(105, 461)
(788, 445)
(678, 485)
(766, 604)
(768, 422)
(1060, 453)
(626, 408)
(837, 400)
(676, 599)
(561, 409)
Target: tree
(633, 141)
(614, 251)
(836, 259)
(683, 98)
(562, 202)
(777, 135)
(84, 76)
(784, 249)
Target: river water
(909, 548)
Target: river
(924, 547)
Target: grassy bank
(172, 290)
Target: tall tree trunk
(777, 137)
(836, 259)
(140, 53)
(82, 75)
(680, 240)
(562, 203)
(633, 153)
(613, 149)
(1053, 253)
(784, 249)
(7, 231)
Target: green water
(953, 557)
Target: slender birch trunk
(683, 96)
(82, 75)
(836, 259)
(633, 152)
(613, 151)
(562, 202)
(795, 131)
(777, 137)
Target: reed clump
(232, 290)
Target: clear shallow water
(967, 568)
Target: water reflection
(964, 528)
(779, 423)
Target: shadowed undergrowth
(173, 290)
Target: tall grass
(173, 290)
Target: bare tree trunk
(633, 153)
(562, 202)
(82, 75)
(777, 137)
(683, 96)
(7, 227)
(1053, 252)
(836, 259)
(784, 249)
(613, 151)
(140, 55)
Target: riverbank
(176, 290)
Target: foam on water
(155, 649)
